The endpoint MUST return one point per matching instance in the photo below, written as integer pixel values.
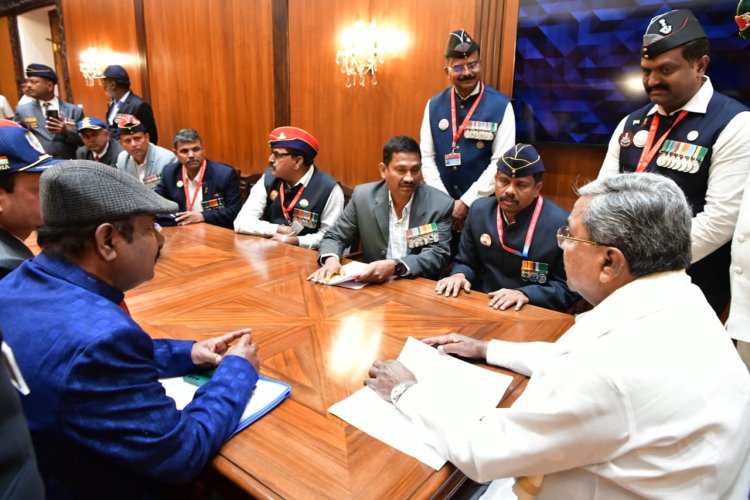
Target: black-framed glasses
(564, 234)
(460, 68)
(276, 155)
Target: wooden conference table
(321, 340)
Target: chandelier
(91, 65)
(359, 54)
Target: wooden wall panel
(566, 167)
(353, 123)
(8, 86)
(113, 32)
(211, 69)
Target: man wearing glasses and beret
(465, 129)
(294, 201)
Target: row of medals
(677, 162)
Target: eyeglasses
(460, 68)
(276, 155)
(564, 234)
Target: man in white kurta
(643, 397)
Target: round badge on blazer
(303, 203)
(626, 139)
(485, 240)
(692, 135)
(480, 145)
(273, 194)
(180, 184)
(443, 124)
(640, 137)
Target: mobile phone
(52, 113)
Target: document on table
(345, 277)
(472, 387)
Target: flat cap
(520, 160)
(42, 71)
(81, 192)
(743, 18)
(21, 151)
(671, 30)
(460, 45)
(294, 138)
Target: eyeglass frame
(566, 229)
(471, 66)
(276, 155)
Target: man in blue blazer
(205, 190)
(101, 423)
(50, 119)
(123, 102)
(509, 244)
(403, 224)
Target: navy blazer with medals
(219, 180)
(489, 267)
(367, 214)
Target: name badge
(213, 203)
(535, 272)
(305, 218)
(453, 160)
(425, 234)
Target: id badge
(453, 160)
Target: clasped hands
(209, 353)
(385, 375)
(499, 299)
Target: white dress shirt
(116, 108)
(397, 227)
(505, 138)
(730, 164)
(738, 324)
(250, 221)
(644, 396)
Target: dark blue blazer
(100, 421)
(219, 180)
(491, 268)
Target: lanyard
(529, 232)
(465, 123)
(648, 152)
(286, 210)
(191, 201)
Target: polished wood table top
(321, 340)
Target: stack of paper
(471, 388)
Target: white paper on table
(470, 387)
(345, 276)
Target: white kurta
(643, 396)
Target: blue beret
(42, 71)
(520, 160)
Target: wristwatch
(401, 270)
(399, 390)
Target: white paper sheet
(471, 388)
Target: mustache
(407, 184)
(466, 78)
(657, 87)
(509, 199)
